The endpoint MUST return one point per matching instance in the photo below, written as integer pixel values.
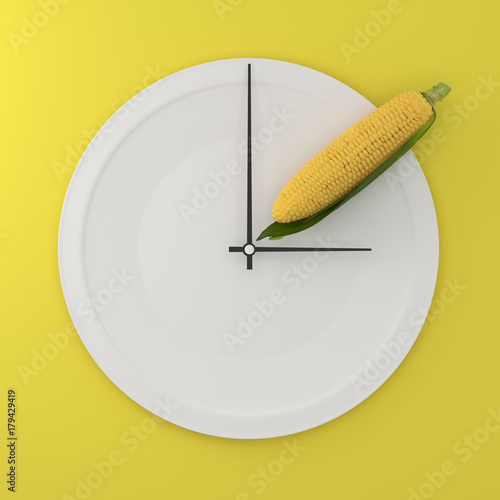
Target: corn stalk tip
(437, 93)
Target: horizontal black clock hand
(310, 249)
(251, 249)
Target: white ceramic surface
(176, 321)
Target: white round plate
(176, 321)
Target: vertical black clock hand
(249, 167)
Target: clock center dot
(248, 249)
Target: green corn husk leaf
(278, 230)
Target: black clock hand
(249, 166)
(251, 249)
(310, 249)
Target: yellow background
(73, 73)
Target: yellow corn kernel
(348, 160)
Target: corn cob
(349, 159)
